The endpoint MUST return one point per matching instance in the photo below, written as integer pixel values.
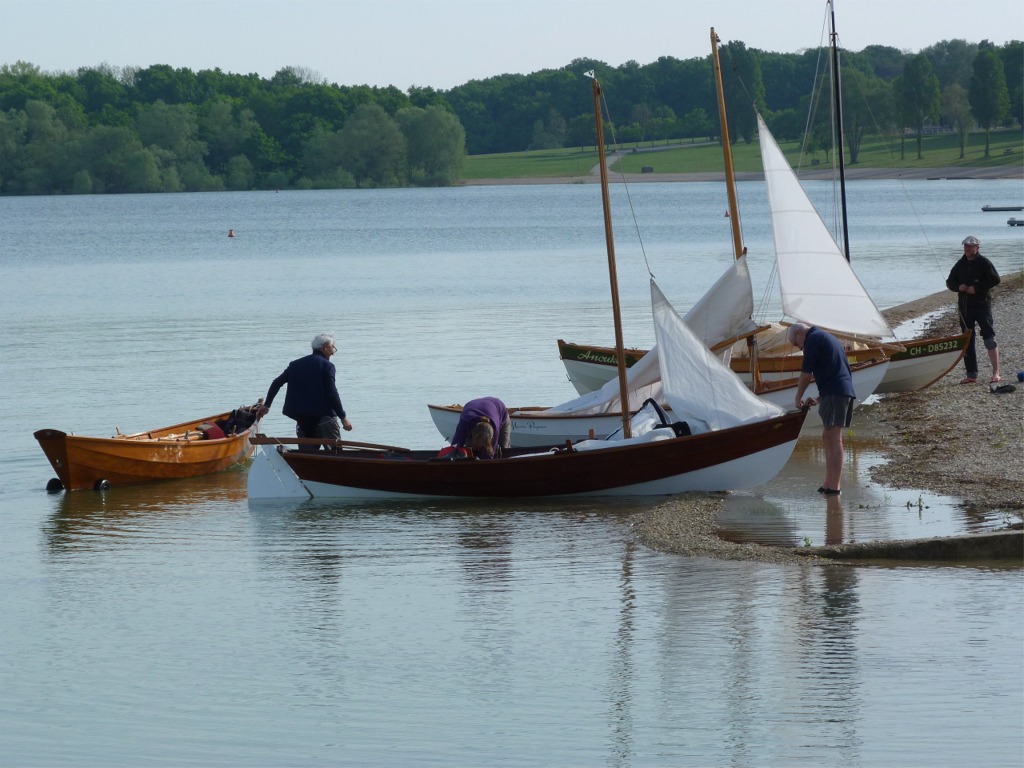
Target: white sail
(696, 384)
(725, 311)
(681, 371)
(817, 283)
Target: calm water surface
(175, 624)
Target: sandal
(969, 380)
(995, 379)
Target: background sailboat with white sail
(804, 258)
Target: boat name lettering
(596, 358)
(518, 425)
(941, 346)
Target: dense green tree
(744, 89)
(951, 61)
(13, 130)
(323, 160)
(373, 148)
(786, 124)
(240, 173)
(173, 127)
(697, 123)
(1012, 56)
(918, 95)
(224, 127)
(990, 100)
(956, 110)
(104, 152)
(550, 133)
(886, 62)
(161, 82)
(141, 173)
(867, 108)
(435, 145)
(581, 132)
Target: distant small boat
(1015, 222)
(189, 449)
(1002, 207)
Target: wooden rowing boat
(656, 463)
(192, 448)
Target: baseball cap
(971, 240)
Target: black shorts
(835, 411)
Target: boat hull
(163, 454)
(923, 362)
(735, 458)
(919, 365)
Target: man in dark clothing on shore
(971, 278)
(825, 361)
(312, 398)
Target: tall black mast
(837, 99)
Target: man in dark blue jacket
(312, 398)
(825, 361)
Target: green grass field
(941, 151)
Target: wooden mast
(730, 174)
(730, 187)
(620, 348)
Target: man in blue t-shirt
(825, 361)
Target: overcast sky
(443, 43)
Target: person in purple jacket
(825, 361)
(312, 398)
(484, 427)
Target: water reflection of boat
(189, 449)
(91, 520)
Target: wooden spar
(620, 347)
(836, 96)
(730, 186)
(730, 173)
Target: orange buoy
(231, 233)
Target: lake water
(174, 624)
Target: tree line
(104, 129)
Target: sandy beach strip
(959, 440)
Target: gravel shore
(959, 440)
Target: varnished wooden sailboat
(918, 365)
(189, 449)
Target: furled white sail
(696, 384)
(687, 375)
(817, 283)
